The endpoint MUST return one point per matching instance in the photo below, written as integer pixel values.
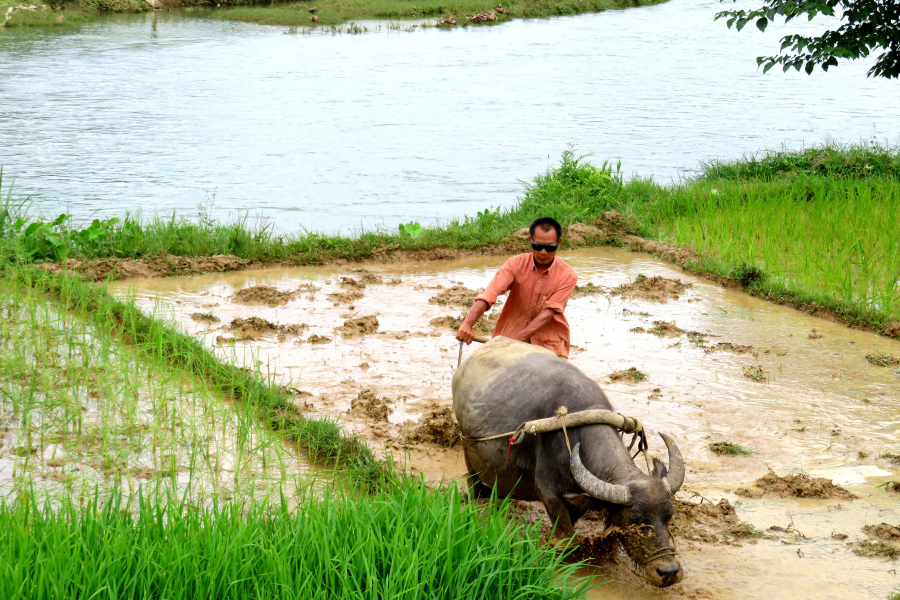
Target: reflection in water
(161, 111)
(821, 408)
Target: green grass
(409, 542)
(336, 12)
(727, 447)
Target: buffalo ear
(659, 469)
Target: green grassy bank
(814, 228)
(326, 12)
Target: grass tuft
(726, 447)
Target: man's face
(543, 257)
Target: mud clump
(251, 325)
(348, 297)
(885, 542)
(708, 522)
(664, 329)
(263, 294)
(368, 277)
(448, 321)
(795, 486)
(656, 289)
(353, 284)
(814, 335)
(881, 359)
(437, 426)
(458, 296)
(318, 339)
(579, 232)
(369, 405)
(755, 372)
(731, 347)
(358, 327)
(205, 317)
(588, 289)
(629, 375)
(892, 330)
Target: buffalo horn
(675, 477)
(599, 489)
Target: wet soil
(630, 374)
(263, 294)
(812, 388)
(370, 405)
(358, 327)
(257, 325)
(795, 486)
(655, 288)
(457, 296)
(892, 330)
(205, 317)
(161, 266)
(438, 426)
(710, 522)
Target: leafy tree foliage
(867, 26)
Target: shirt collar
(550, 268)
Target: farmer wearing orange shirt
(539, 286)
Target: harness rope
(563, 419)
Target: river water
(821, 408)
(164, 111)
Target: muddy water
(820, 407)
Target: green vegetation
(727, 447)
(335, 12)
(408, 542)
(327, 12)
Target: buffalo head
(641, 511)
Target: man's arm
(539, 321)
(465, 333)
(500, 284)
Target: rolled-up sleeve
(560, 296)
(499, 285)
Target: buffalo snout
(664, 572)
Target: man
(539, 286)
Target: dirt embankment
(160, 266)
(795, 486)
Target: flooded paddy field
(84, 415)
(376, 348)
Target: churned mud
(358, 327)
(160, 266)
(258, 326)
(630, 374)
(819, 408)
(798, 485)
(656, 288)
(264, 294)
(457, 296)
(205, 317)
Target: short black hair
(545, 223)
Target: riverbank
(811, 229)
(459, 13)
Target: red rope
(509, 446)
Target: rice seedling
(408, 542)
(81, 413)
(726, 447)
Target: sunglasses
(548, 247)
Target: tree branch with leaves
(867, 27)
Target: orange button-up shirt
(530, 292)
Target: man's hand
(465, 333)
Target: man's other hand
(465, 333)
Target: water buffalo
(505, 383)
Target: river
(165, 111)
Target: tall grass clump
(409, 542)
(848, 161)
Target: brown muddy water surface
(741, 370)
